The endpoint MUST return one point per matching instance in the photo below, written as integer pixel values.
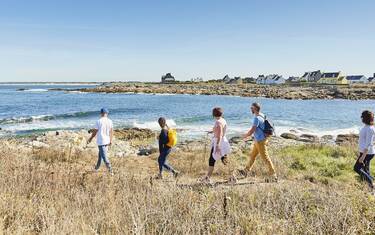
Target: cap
(104, 110)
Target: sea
(32, 108)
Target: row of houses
(331, 78)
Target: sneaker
(111, 172)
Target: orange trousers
(260, 148)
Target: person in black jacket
(164, 150)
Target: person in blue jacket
(164, 150)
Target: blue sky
(92, 40)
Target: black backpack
(269, 128)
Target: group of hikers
(261, 130)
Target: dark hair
(217, 112)
(367, 117)
(256, 105)
(162, 122)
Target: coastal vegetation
(53, 190)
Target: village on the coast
(311, 77)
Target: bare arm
(93, 134)
(250, 132)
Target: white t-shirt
(104, 126)
(366, 139)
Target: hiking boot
(243, 173)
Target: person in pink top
(220, 146)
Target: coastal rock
(289, 136)
(133, 133)
(235, 140)
(308, 138)
(347, 139)
(147, 150)
(327, 138)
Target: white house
(272, 79)
(352, 79)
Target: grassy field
(54, 191)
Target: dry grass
(53, 191)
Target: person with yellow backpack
(167, 140)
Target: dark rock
(289, 136)
(235, 140)
(134, 134)
(347, 139)
(309, 138)
(147, 150)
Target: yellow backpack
(172, 138)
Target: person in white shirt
(104, 135)
(366, 148)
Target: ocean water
(37, 110)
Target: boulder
(235, 140)
(147, 150)
(133, 134)
(309, 138)
(289, 136)
(347, 139)
(327, 138)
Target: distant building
(235, 80)
(249, 80)
(330, 78)
(226, 78)
(372, 79)
(168, 78)
(342, 81)
(197, 80)
(272, 79)
(293, 80)
(352, 79)
(313, 76)
(261, 79)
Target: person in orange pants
(260, 143)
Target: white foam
(154, 125)
(36, 90)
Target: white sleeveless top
(224, 143)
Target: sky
(96, 40)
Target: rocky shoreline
(142, 142)
(244, 90)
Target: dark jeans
(364, 169)
(162, 160)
